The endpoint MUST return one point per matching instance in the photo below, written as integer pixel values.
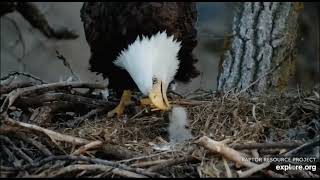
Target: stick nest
(65, 133)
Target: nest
(54, 130)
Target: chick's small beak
(158, 96)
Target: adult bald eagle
(141, 45)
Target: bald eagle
(142, 45)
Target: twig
(33, 15)
(97, 161)
(139, 113)
(148, 163)
(226, 166)
(194, 97)
(11, 156)
(266, 145)
(93, 167)
(6, 173)
(18, 150)
(175, 93)
(7, 81)
(253, 170)
(309, 144)
(8, 168)
(49, 97)
(224, 150)
(37, 144)
(14, 73)
(54, 106)
(46, 169)
(53, 135)
(117, 152)
(145, 157)
(171, 162)
(189, 102)
(255, 153)
(9, 88)
(66, 63)
(86, 147)
(29, 140)
(44, 87)
(299, 173)
(5, 130)
(77, 121)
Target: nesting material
(68, 144)
(178, 129)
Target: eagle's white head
(152, 63)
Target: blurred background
(37, 54)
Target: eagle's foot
(124, 102)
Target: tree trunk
(262, 54)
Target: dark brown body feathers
(111, 26)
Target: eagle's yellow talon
(118, 111)
(124, 102)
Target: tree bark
(262, 54)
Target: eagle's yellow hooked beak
(158, 96)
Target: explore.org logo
(288, 163)
(296, 167)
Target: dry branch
(128, 149)
(145, 157)
(171, 162)
(307, 145)
(188, 102)
(33, 15)
(253, 170)
(11, 156)
(266, 145)
(226, 166)
(66, 64)
(35, 143)
(86, 147)
(52, 134)
(77, 121)
(72, 99)
(14, 73)
(117, 151)
(96, 161)
(12, 96)
(148, 163)
(16, 149)
(11, 87)
(224, 150)
(93, 167)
